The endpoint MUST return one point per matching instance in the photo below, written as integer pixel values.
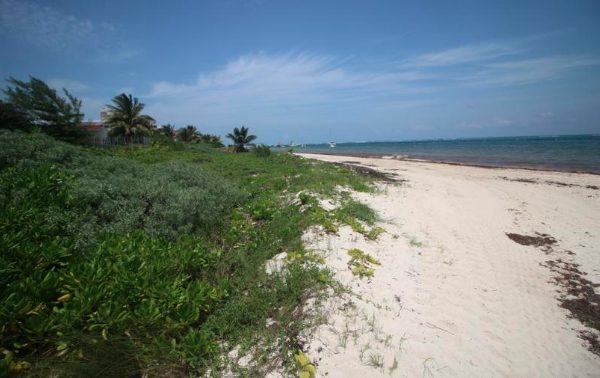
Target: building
(97, 130)
(97, 133)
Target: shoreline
(478, 274)
(462, 164)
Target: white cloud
(272, 88)
(70, 85)
(280, 84)
(462, 54)
(470, 125)
(108, 56)
(546, 115)
(502, 122)
(124, 90)
(41, 25)
(495, 122)
(309, 79)
(527, 71)
(287, 76)
(45, 27)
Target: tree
(188, 134)
(167, 130)
(13, 119)
(126, 118)
(213, 140)
(241, 138)
(42, 106)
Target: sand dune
(454, 295)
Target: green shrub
(112, 291)
(356, 210)
(38, 219)
(94, 246)
(261, 150)
(361, 263)
(164, 199)
(123, 195)
(18, 147)
(147, 261)
(374, 233)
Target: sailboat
(332, 144)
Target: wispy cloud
(527, 71)
(462, 54)
(42, 25)
(68, 84)
(126, 90)
(108, 56)
(269, 87)
(496, 64)
(470, 125)
(495, 122)
(273, 86)
(46, 27)
(287, 76)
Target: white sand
(454, 296)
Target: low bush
(261, 150)
(122, 195)
(361, 263)
(148, 261)
(356, 210)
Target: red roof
(92, 126)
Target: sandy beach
(483, 272)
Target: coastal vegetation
(188, 133)
(241, 138)
(126, 118)
(12, 118)
(361, 263)
(151, 260)
(33, 104)
(191, 134)
(261, 150)
(167, 130)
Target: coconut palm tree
(213, 140)
(126, 118)
(168, 130)
(241, 138)
(188, 134)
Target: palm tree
(241, 138)
(213, 140)
(125, 117)
(188, 134)
(168, 130)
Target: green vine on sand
(361, 263)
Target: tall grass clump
(261, 150)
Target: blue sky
(305, 70)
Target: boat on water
(332, 143)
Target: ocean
(577, 153)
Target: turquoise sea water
(564, 152)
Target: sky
(314, 71)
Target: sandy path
(454, 296)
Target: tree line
(33, 105)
